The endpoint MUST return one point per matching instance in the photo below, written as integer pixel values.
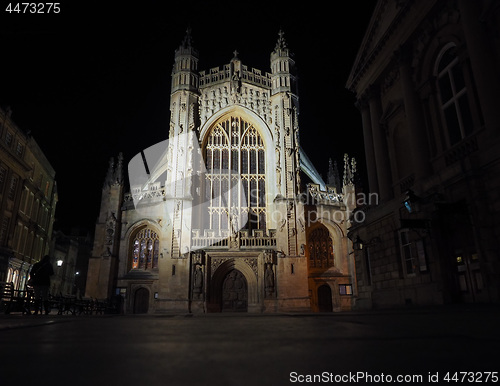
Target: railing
(137, 196)
(461, 150)
(224, 239)
(328, 196)
(209, 239)
(12, 300)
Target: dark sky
(94, 80)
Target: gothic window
(320, 248)
(145, 249)
(235, 178)
(453, 95)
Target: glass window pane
(458, 78)
(244, 162)
(234, 160)
(446, 59)
(225, 159)
(445, 88)
(465, 113)
(262, 162)
(450, 116)
(253, 161)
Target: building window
(453, 95)
(3, 175)
(235, 157)
(320, 248)
(8, 138)
(409, 263)
(19, 149)
(4, 229)
(412, 253)
(145, 250)
(345, 289)
(12, 188)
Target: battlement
(223, 74)
(326, 197)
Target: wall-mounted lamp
(357, 244)
(59, 262)
(411, 201)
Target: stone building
(28, 198)
(220, 217)
(426, 81)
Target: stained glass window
(235, 160)
(321, 253)
(145, 250)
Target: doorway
(234, 292)
(469, 278)
(141, 301)
(325, 298)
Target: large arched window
(145, 249)
(453, 95)
(235, 158)
(321, 253)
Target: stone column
(483, 62)
(368, 142)
(415, 120)
(380, 146)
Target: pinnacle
(281, 43)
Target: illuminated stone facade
(245, 251)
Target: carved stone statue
(269, 280)
(198, 281)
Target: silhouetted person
(40, 275)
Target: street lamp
(59, 263)
(357, 244)
(411, 201)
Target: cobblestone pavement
(234, 349)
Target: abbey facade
(228, 213)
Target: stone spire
(118, 175)
(185, 70)
(108, 180)
(281, 43)
(188, 39)
(114, 174)
(283, 72)
(333, 177)
(349, 170)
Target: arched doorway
(234, 292)
(325, 298)
(141, 301)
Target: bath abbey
(228, 214)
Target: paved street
(231, 349)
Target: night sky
(94, 80)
